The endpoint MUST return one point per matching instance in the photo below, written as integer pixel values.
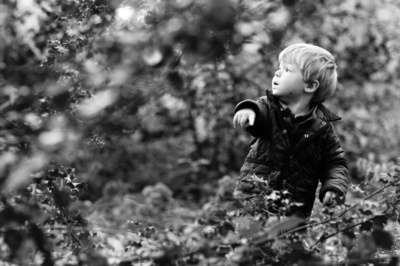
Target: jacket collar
(322, 112)
(327, 114)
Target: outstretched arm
(252, 116)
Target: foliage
(115, 125)
(154, 228)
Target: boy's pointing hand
(244, 118)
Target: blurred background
(132, 93)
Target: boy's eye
(287, 69)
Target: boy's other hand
(244, 118)
(330, 199)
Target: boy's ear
(312, 86)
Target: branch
(312, 223)
(369, 196)
(322, 238)
(354, 225)
(374, 261)
(74, 236)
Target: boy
(294, 145)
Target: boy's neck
(298, 108)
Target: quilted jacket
(298, 166)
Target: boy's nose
(277, 73)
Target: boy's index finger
(252, 117)
(235, 120)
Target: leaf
(61, 100)
(379, 221)
(383, 239)
(289, 3)
(274, 196)
(366, 226)
(348, 240)
(247, 227)
(6, 159)
(222, 250)
(61, 49)
(176, 80)
(304, 256)
(13, 239)
(220, 14)
(225, 228)
(370, 175)
(61, 198)
(153, 57)
(22, 175)
(288, 224)
(51, 139)
(366, 246)
(366, 212)
(37, 177)
(93, 106)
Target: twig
(74, 236)
(341, 214)
(354, 225)
(368, 197)
(357, 261)
(312, 223)
(266, 239)
(340, 231)
(60, 227)
(34, 188)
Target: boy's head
(316, 64)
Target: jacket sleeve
(334, 171)
(261, 108)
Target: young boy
(294, 145)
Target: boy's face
(288, 84)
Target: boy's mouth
(275, 83)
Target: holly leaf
(61, 198)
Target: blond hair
(315, 63)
